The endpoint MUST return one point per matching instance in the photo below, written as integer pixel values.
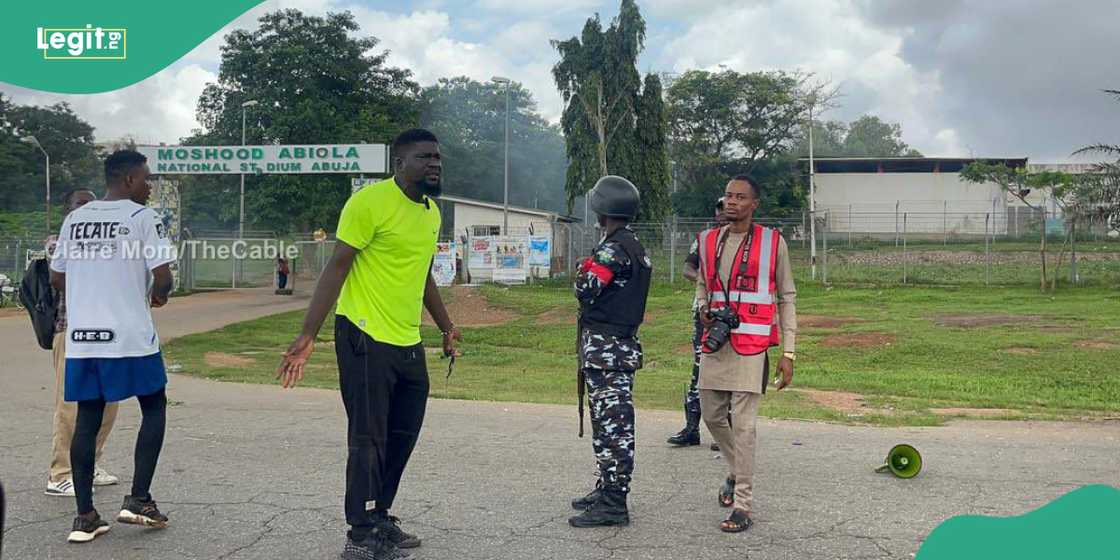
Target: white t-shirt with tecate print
(107, 249)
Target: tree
(729, 115)
(1019, 183)
(1099, 193)
(1100, 190)
(65, 136)
(317, 81)
(469, 119)
(651, 167)
(598, 79)
(868, 136)
(725, 123)
(828, 139)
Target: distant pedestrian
(282, 272)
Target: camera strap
(745, 243)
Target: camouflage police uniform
(609, 362)
(690, 434)
(612, 287)
(692, 397)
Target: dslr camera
(724, 320)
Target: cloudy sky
(963, 77)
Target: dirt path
(469, 308)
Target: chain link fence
(963, 249)
(221, 260)
(667, 244)
(15, 255)
(931, 248)
(852, 248)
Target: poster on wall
(481, 254)
(443, 265)
(540, 251)
(511, 256)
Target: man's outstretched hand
(291, 367)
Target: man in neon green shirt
(380, 274)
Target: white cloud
(162, 108)
(422, 42)
(158, 109)
(948, 143)
(1015, 82)
(961, 76)
(538, 7)
(526, 40)
(209, 51)
(827, 38)
(687, 9)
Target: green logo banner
(96, 46)
(1080, 524)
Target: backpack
(39, 298)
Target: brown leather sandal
(727, 493)
(737, 522)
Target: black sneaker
(87, 528)
(141, 512)
(372, 548)
(389, 527)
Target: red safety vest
(755, 302)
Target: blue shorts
(113, 379)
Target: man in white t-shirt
(113, 261)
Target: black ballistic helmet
(615, 197)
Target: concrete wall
(468, 216)
(933, 203)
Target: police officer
(611, 287)
(690, 434)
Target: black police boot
(690, 435)
(588, 500)
(608, 511)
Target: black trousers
(385, 392)
(149, 442)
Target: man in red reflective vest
(747, 303)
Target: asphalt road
(252, 471)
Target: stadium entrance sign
(370, 159)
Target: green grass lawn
(1051, 356)
(1009, 267)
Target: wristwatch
(792, 357)
(449, 330)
